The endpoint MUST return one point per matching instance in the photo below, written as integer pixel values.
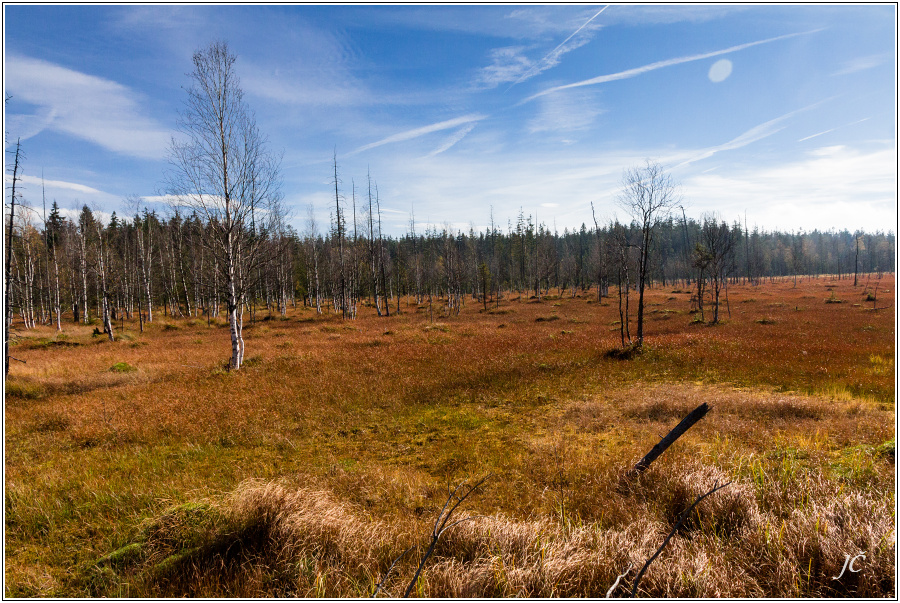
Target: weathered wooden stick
(390, 569)
(684, 515)
(616, 583)
(440, 526)
(686, 423)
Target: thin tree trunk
(58, 305)
(107, 323)
(9, 240)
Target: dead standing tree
(340, 234)
(223, 171)
(717, 251)
(648, 195)
(7, 282)
(619, 240)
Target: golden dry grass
(310, 470)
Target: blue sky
(785, 113)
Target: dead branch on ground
(440, 526)
(684, 515)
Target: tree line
(69, 270)
(223, 246)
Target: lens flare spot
(720, 70)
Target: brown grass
(268, 537)
(310, 470)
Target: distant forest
(164, 264)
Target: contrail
(415, 133)
(456, 137)
(819, 134)
(628, 73)
(852, 123)
(541, 62)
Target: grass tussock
(624, 353)
(263, 537)
(23, 388)
(267, 537)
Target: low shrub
(546, 318)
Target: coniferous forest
(156, 262)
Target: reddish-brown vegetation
(350, 432)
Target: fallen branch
(17, 360)
(686, 423)
(440, 526)
(637, 581)
(616, 583)
(390, 569)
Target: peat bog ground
(143, 468)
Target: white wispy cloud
(159, 199)
(754, 134)
(552, 58)
(417, 132)
(81, 105)
(507, 65)
(469, 184)
(35, 184)
(831, 187)
(629, 73)
(25, 126)
(828, 187)
(667, 14)
(862, 63)
(290, 89)
(65, 193)
(570, 112)
(454, 138)
(510, 64)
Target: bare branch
(684, 515)
(437, 532)
(612, 588)
(390, 569)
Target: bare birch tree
(101, 269)
(222, 170)
(648, 195)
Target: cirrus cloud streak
(84, 106)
